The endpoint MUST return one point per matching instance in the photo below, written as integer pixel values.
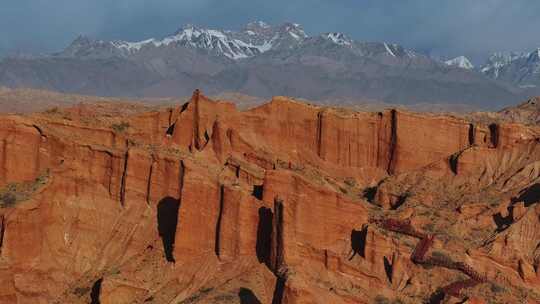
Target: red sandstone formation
(284, 203)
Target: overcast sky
(445, 28)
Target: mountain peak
(220, 42)
(293, 28)
(461, 62)
(338, 38)
(526, 65)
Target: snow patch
(460, 62)
(388, 50)
(497, 61)
(339, 38)
(294, 35)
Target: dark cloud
(440, 27)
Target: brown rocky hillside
(283, 203)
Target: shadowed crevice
(217, 246)
(393, 142)
(437, 297)
(124, 180)
(96, 292)
(472, 134)
(370, 193)
(388, 269)
(494, 135)
(504, 222)
(149, 182)
(170, 129)
(529, 196)
(258, 191)
(196, 119)
(206, 139)
(453, 162)
(247, 296)
(264, 236)
(184, 107)
(277, 236)
(167, 218)
(358, 242)
(40, 131)
(2, 232)
(319, 133)
(279, 291)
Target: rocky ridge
(254, 39)
(284, 203)
(522, 69)
(259, 60)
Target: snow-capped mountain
(522, 69)
(217, 41)
(256, 38)
(499, 60)
(262, 60)
(461, 62)
(285, 36)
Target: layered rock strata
(278, 204)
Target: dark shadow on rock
(247, 297)
(170, 129)
(388, 269)
(167, 218)
(96, 291)
(358, 242)
(504, 222)
(258, 191)
(472, 134)
(453, 162)
(264, 235)
(184, 107)
(370, 193)
(494, 135)
(529, 196)
(279, 290)
(437, 297)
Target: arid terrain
(286, 202)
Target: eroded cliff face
(284, 203)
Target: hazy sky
(447, 28)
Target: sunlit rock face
(283, 203)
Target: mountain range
(264, 60)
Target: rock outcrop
(283, 203)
